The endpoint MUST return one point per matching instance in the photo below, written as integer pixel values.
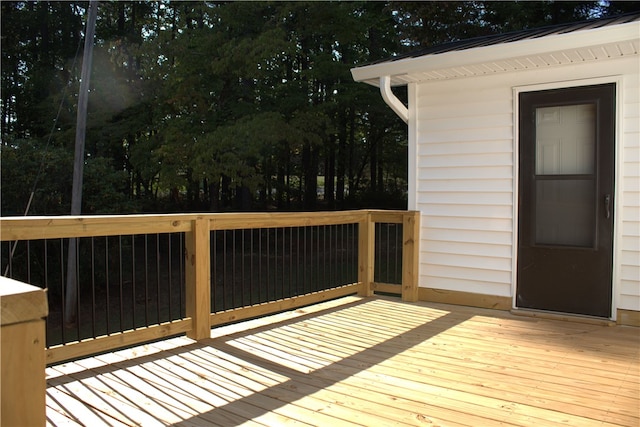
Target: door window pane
(565, 213)
(565, 139)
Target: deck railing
(146, 277)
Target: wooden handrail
(197, 229)
(34, 227)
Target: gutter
(595, 39)
(392, 101)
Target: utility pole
(71, 294)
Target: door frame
(617, 213)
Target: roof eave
(401, 71)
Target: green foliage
(510, 16)
(105, 188)
(24, 161)
(207, 105)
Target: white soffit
(550, 51)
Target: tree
(219, 106)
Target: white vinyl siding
(629, 259)
(465, 187)
(466, 178)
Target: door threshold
(566, 317)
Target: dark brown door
(565, 229)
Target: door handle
(607, 205)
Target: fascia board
(554, 43)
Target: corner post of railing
(366, 251)
(22, 355)
(410, 255)
(198, 278)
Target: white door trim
(617, 229)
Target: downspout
(412, 278)
(392, 101)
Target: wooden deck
(372, 362)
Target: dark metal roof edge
(514, 36)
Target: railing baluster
(45, 281)
(260, 275)
(158, 301)
(321, 256)
(324, 255)
(93, 287)
(8, 269)
(106, 274)
(297, 268)
(311, 263)
(396, 251)
(306, 286)
(29, 262)
(251, 279)
(181, 258)
(62, 290)
(275, 264)
(134, 295)
(78, 293)
(120, 280)
(332, 253)
(146, 279)
(279, 277)
(170, 276)
(268, 275)
(318, 268)
(388, 253)
(214, 270)
(285, 294)
(243, 284)
(234, 281)
(290, 257)
(225, 276)
(342, 251)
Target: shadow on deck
(363, 361)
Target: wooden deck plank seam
(350, 365)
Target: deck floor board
(363, 361)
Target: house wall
(466, 172)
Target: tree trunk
(380, 171)
(373, 164)
(6, 113)
(280, 187)
(225, 194)
(310, 171)
(266, 196)
(214, 195)
(352, 145)
(341, 158)
(329, 175)
(243, 198)
(121, 19)
(288, 186)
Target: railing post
(22, 341)
(366, 243)
(198, 278)
(410, 255)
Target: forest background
(208, 106)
